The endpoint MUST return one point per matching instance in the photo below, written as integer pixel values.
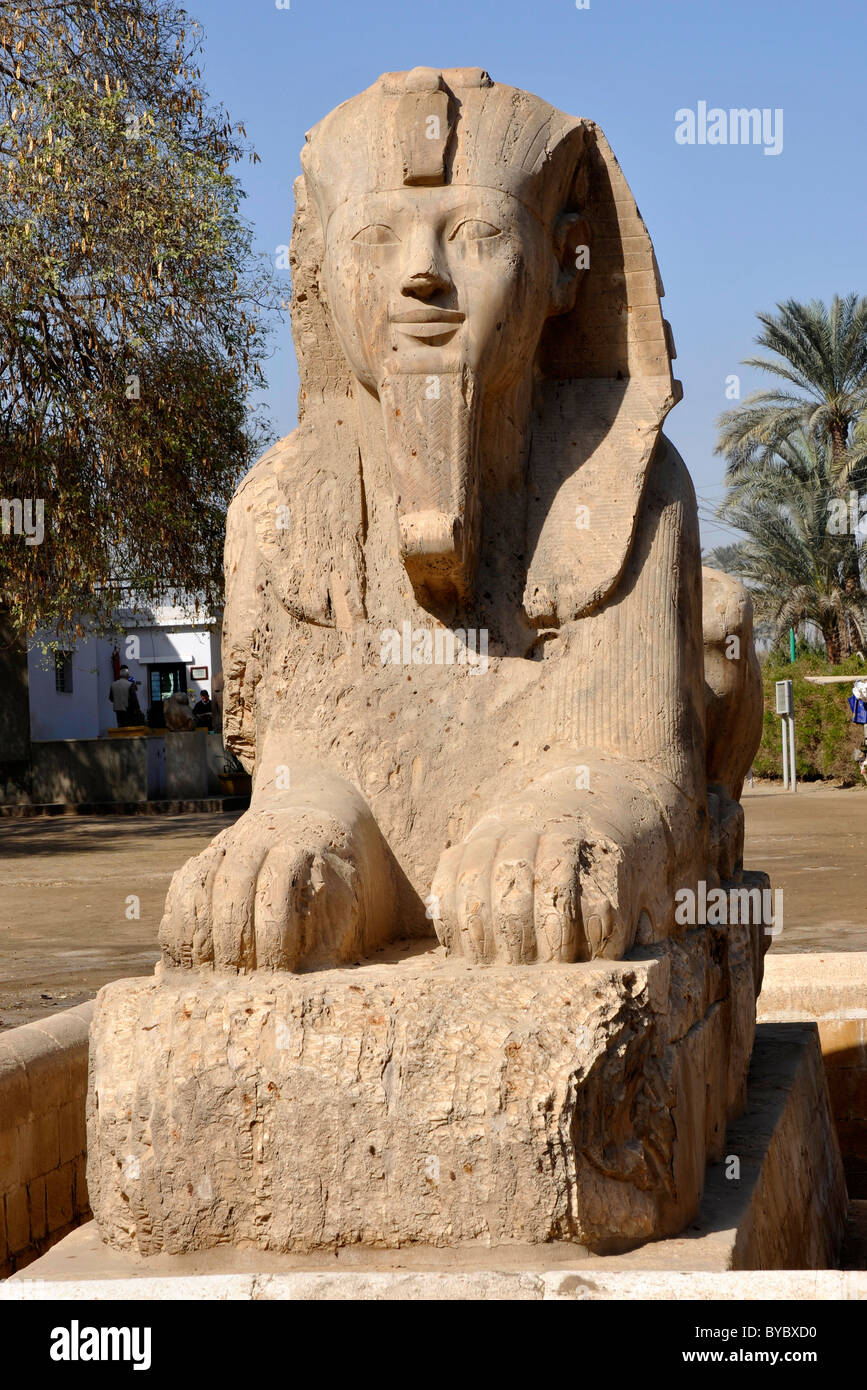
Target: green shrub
(825, 737)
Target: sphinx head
(450, 212)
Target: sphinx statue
(467, 664)
(484, 375)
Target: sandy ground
(67, 884)
(813, 843)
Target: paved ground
(65, 884)
(813, 843)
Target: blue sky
(735, 230)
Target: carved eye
(473, 229)
(377, 234)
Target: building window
(63, 673)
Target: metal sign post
(786, 710)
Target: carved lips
(428, 323)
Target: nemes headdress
(426, 128)
(604, 367)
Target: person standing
(119, 693)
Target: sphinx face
(427, 280)
(438, 296)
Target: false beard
(432, 434)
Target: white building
(167, 648)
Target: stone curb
(805, 1285)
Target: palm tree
(822, 353)
(794, 558)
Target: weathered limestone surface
(484, 374)
(419, 1101)
(784, 1209)
(466, 668)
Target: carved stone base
(416, 1100)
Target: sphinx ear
(572, 252)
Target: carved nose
(422, 283)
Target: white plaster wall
(88, 712)
(53, 715)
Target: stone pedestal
(419, 1101)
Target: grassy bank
(825, 737)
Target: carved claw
(513, 893)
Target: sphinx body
(478, 454)
(487, 699)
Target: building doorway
(165, 678)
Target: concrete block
(45, 1066)
(571, 1284)
(14, 1086)
(843, 1040)
(17, 1221)
(81, 1196)
(90, 769)
(58, 1190)
(797, 1201)
(38, 1146)
(186, 765)
(69, 1028)
(73, 1131)
(8, 1156)
(218, 1287)
(38, 1216)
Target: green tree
(794, 559)
(821, 352)
(133, 311)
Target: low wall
(186, 764)
(43, 1088)
(831, 990)
(792, 1181)
(90, 769)
(171, 765)
(216, 755)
